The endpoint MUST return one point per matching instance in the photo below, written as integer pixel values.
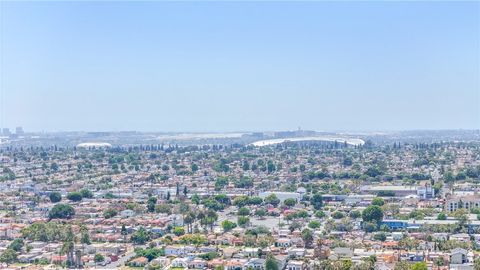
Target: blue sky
(229, 66)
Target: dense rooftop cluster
(295, 206)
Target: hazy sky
(225, 66)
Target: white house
(458, 256)
(295, 265)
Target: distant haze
(232, 66)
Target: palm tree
(85, 237)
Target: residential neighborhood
(291, 205)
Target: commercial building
(458, 202)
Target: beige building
(466, 202)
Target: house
(250, 252)
(341, 252)
(295, 265)
(127, 213)
(440, 236)
(28, 258)
(174, 251)
(178, 250)
(235, 264)
(179, 263)
(255, 264)
(463, 237)
(397, 236)
(415, 257)
(215, 263)
(197, 264)
(161, 262)
(296, 252)
(281, 261)
(458, 256)
(138, 262)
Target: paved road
(121, 261)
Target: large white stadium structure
(350, 141)
(94, 145)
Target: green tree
(320, 214)
(54, 167)
(419, 266)
(373, 171)
(74, 196)
(189, 219)
(86, 193)
(476, 265)
(373, 213)
(62, 211)
(241, 201)
(355, 214)
(307, 237)
(408, 243)
(243, 211)
(98, 258)
(68, 246)
(163, 208)
(195, 199)
(402, 265)
(442, 216)
(178, 231)
(272, 199)
(314, 224)
(243, 221)
(338, 215)
(84, 235)
(246, 165)
(347, 161)
(261, 212)
(271, 263)
(317, 201)
(16, 244)
(244, 182)
(141, 236)
(55, 197)
(378, 201)
(228, 225)
(194, 167)
(255, 200)
(290, 202)
(221, 182)
(8, 256)
(380, 236)
(109, 213)
(208, 219)
(302, 167)
(124, 232)
(151, 202)
(270, 166)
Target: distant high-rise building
(19, 131)
(6, 132)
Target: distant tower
(5, 131)
(19, 131)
